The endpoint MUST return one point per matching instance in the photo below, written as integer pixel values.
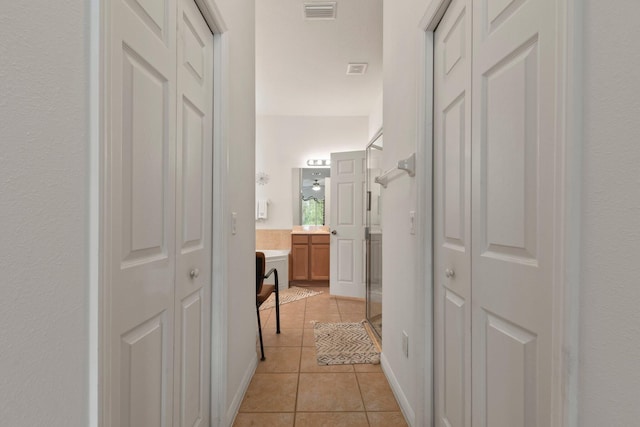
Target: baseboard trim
(405, 407)
(232, 412)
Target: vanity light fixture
(316, 186)
(318, 162)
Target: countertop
(310, 229)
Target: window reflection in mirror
(311, 196)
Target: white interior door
(514, 140)
(158, 219)
(347, 221)
(142, 214)
(452, 216)
(193, 217)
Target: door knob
(194, 273)
(449, 273)
(334, 232)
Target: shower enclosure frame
(373, 235)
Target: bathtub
(278, 259)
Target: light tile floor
(289, 388)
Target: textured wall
(610, 288)
(402, 300)
(43, 213)
(238, 130)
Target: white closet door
(193, 217)
(452, 210)
(141, 218)
(514, 139)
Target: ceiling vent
(316, 11)
(354, 69)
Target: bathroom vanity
(310, 257)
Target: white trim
(568, 214)
(212, 15)
(405, 406)
(234, 407)
(428, 24)
(219, 264)
(95, 194)
(567, 225)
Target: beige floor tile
(323, 296)
(293, 307)
(279, 360)
(336, 419)
(308, 338)
(367, 367)
(352, 317)
(386, 419)
(286, 337)
(319, 309)
(271, 393)
(287, 320)
(328, 393)
(309, 363)
(320, 317)
(376, 393)
(264, 420)
(264, 315)
(351, 306)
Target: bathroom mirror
(311, 196)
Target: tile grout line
(295, 406)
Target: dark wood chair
(263, 291)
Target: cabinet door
(319, 262)
(300, 258)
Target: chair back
(261, 264)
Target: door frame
(566, 278)
(99, 244)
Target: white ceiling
(301, 65)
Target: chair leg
(277, 309)
(260, 331)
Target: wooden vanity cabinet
(310, 257)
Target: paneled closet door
(158, 198)
(514, 140)
(452, 210)
(141, 216)
(193, 217)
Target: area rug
(288, 295)
(344, 344)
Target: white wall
(43, 213)
(239, 135)
(402, 301)
(286, 142)
(375, 118)
(609, 371)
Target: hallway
(290, 389)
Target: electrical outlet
(405, 344)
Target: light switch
(234, 222)
(412, 222)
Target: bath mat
(288, 295)
(344, 344)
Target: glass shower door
(373, 235)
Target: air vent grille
(315, 11)
(358, 69)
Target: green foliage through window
(312, 212)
